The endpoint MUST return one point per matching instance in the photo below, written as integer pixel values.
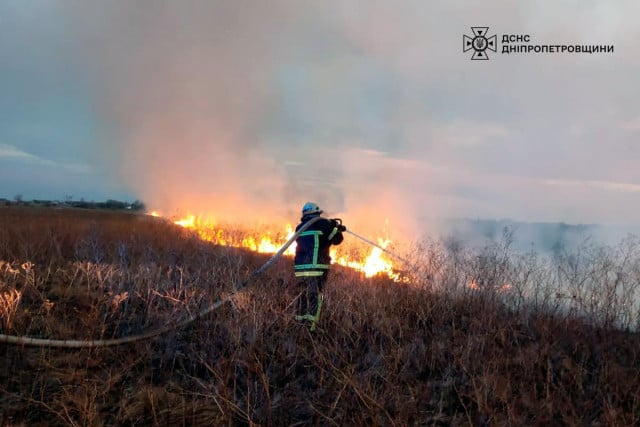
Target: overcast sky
(370, 108)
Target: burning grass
(434, 353)
(369, 261)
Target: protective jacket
(312, 246)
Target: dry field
(432, 353)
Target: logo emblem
(479, 43)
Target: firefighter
(312, 260)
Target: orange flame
(473, 285)
(375, 263)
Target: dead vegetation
(384, 354)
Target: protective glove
(337, 222)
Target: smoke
(227, 108)
(245, 110)
(184, 87)
(241, 110)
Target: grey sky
(231, 107)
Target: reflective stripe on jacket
(312, 247)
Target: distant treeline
(81, 204)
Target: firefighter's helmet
(311, 208)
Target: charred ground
(385, 354)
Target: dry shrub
(9, 300)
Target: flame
(188, 222)
(473, 285)
(375, 263)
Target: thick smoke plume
(245, 110)
(234, 109)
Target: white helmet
(311, 208)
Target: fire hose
(43, 342)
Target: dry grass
(384, 354)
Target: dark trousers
(310, 300)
